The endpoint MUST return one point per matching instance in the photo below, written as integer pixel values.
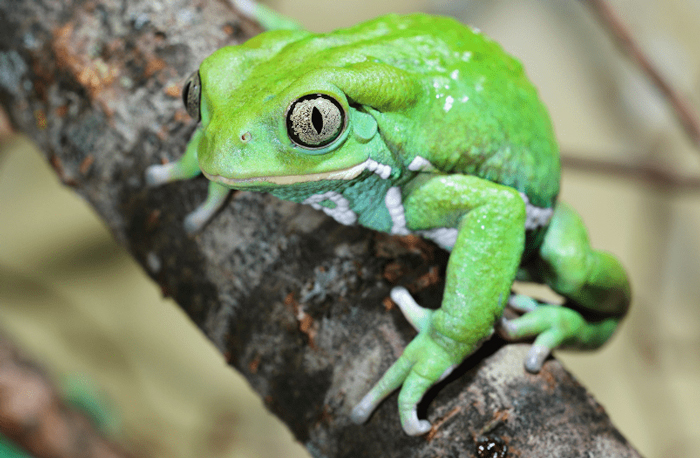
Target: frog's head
(298, 118)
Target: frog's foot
(552, 326)
(184, 169)
(423, 363)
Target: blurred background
(82, 307)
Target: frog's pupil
(317, 120)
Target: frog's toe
(195, 221)
(535, 322)
(412, 391)
(159, 174)
(522, 303)
(536, 357)
(554, 327)
(216, 197)
(361, 412)
(391, 380)
(412, 425)
(418, 316)
(527, 326)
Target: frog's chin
(281, 180)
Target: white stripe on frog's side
(341, 212)
(383, 170)
(446, 237)
(443, 236)
(394, 204)
(536, 217)
(420, 164)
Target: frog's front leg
(183, 169)
(594, 283)
(490, 219)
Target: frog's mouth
(282, 180)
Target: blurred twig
(647, 174)
(685, 114)
(33, 415)
(6, 130)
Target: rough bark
(296, 302)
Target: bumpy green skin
(443, 136)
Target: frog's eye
(315, 120)
(192, 95)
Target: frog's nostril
(246, 136)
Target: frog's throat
(384, 171)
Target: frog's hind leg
(593, 282)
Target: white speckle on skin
(464, 99)
(479, 86)
(454, 75)
(467, 56)
(448, 103)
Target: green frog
(409, 124)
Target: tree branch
(646, 174)
(684, 112)
(292, 299)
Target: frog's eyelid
(192, 96)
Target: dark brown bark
(296, 302)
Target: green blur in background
(79, 305)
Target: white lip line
(342, 174)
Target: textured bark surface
(296, 302)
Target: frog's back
(478, 113)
